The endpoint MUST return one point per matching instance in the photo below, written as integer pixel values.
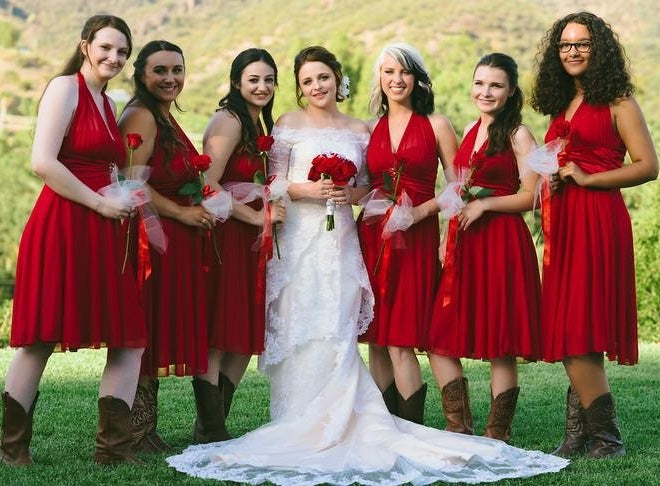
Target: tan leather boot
(575, 436)
(456, 406)
(16, 431)
(113, 436)
(144, 420)
(500, 417)
(602, 427)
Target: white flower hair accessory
(344, 90)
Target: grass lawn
(66, 415)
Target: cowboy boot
(500, 417)
(575, 437)
(113, 436)
(602, 428)
(412, 408)
(210, 422)
(228, 389)
(144, 419)
(390, 398)
(456, 406)
(16, 431)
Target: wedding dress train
(329, 422)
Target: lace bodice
(294, 149)
(306, 290)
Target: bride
(329, 422)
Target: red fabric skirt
(488, 304)
(237, 312)
(69, 286)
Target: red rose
(201, 162)
(562, 128)
(342, 172)
(264, 143)
(322, 164)
(134, 140)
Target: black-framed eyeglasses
(581, 46)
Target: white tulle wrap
(220, 205)
(329, 422)
(376, 203)
(544, 161)
(132, 191)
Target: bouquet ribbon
(132, 192)
(395, 217)
(219, 205)
(544, 160)
(245, 192)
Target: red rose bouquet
(339, 170)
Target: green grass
(66, 414)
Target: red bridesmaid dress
(406, 280)
(174, 296)
(489, 298)
(237, 287)
(589, 300)
(70, 289)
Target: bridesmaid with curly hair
(588, 294)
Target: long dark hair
(235, 104)
(317, 54)
(605, 79)
(509, 117)
(168, 136)
(411, 59)
(89, 30)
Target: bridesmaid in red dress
(487, 306)
(70, 290)
(405, 140)
(173, 296)
(237, 286)
(583, 81)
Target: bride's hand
(320, 189)
(340, 195)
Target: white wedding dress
(329, 422)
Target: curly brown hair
(606, 78)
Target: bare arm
(631, 126)
(222, 136)
(55, 113)
(446, 147)
(137, 119)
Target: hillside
(451, 35)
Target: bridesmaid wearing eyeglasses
(588, 295)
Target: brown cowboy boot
(144, 419)
(500, 417)
(412, 408)
(390, 398)
(227, 388)
(210, 422)
(113, 436)
(602, 428)
(16, 431)
(575, 436)
(456, 406)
